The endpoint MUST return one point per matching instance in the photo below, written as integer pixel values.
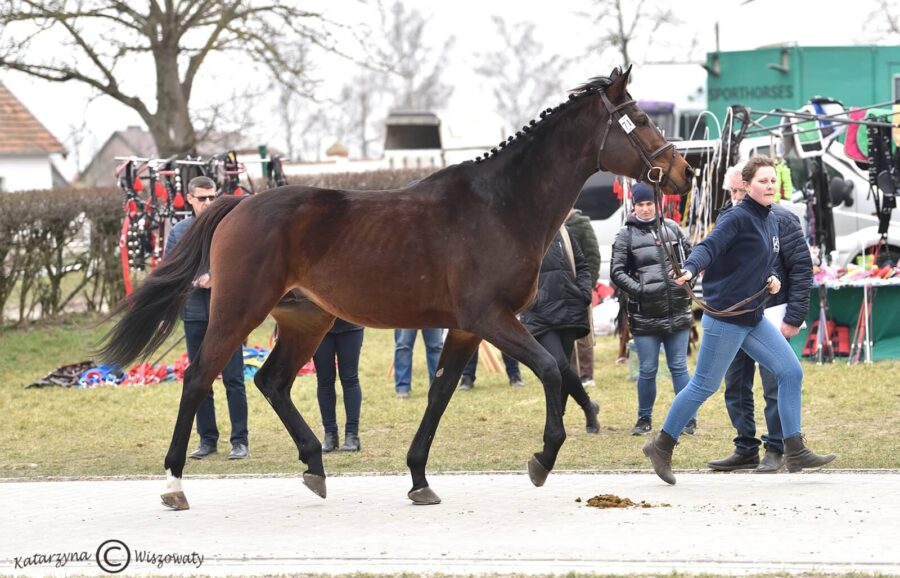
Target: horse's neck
(545, 176)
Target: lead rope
(732, 311)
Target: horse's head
(630, 144)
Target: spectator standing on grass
(659, 312)
(559, 315)
(201, 193)
(579, 225)
(404, 341)
(342, 344)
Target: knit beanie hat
(642, 192)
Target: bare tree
(404, 72)
(362, 100)
(621, 23)
(522, 79)
(107, 42)
(883, 23)
(409, 55)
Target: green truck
(788, 76)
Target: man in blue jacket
(201, 193)
(794, 268)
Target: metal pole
(868, 334)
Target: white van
(855, 222)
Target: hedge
(59, 248)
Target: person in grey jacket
(794, 266)
(659, 312)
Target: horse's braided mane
(592, 86)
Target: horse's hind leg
(458, 348)
(301, 327)
(511, 337)
(231, 320)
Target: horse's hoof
(175, 500)
(315, 483)
(537, 472)
(424, 497)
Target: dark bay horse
(459, 249)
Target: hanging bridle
(658, 178)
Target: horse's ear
(619, 84)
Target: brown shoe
(659, 449)
(798, 457)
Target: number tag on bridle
(626, 123)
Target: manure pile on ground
(613, 501)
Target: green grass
(853, 411)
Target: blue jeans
(233, 377)
(647, 347)
(739, 401)
(512, 366)
(346, 346)
(404, 339)
(721, 342)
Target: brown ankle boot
(659, 450)
(798, 457)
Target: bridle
(658, 178)
(615, 114)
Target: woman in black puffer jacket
(659, 312)
(559, 315)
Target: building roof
(138, 140)
(22, 132)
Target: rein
(732, 311)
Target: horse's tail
(151, 312)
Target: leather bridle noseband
(661, 178)
(615, 114)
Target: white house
(26, 148)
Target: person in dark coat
(659, 312)
(559, 315)
(583, 232)
(794, 267)
(344, 344)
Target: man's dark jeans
(739, 401)
(233, 376)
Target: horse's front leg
(511, 337)
(458, 348)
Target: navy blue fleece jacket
(737, 257)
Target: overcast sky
(560, 28)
